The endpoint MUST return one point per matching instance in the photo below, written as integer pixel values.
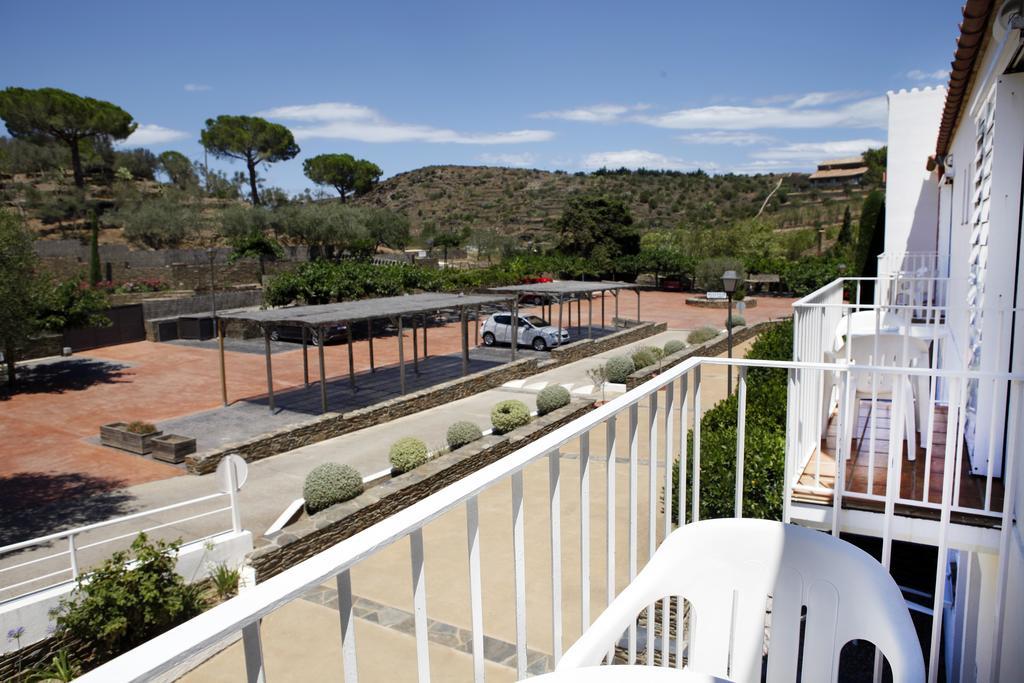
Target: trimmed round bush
(552, 398)
(408, 453)
(619, 368)
(643, 358)
(701, 335)
(462, 433)
(507, 415)
(673, 346)
(329, 484)
(735, 321)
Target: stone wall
(712, 347)
(320, 531)
(584, 348)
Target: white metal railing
(656, 418)
(913, 263)
(45, 570)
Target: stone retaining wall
(712, 347)
(335, 424)
(328, 527)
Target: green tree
(94, 251)
(871, 216)
(52, 114)
(162, 222)
(846, 231)
(386, 228)
(179, 170)
(250, 139)
(875, 159)
(445, 238)
(597, 224)
(245, 229)
(343, 172)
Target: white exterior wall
(911, 198)
(1003, 282)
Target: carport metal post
(401, 358)
(464, 325)
(351, 359)
(615, 293)
(305, 358)
(323, 371)
(590, 316)
(569, 313)
(270, 371)
(369, 339)
(514, 340)
(476, 327)
(559, 319)
(223, 372)
(425, 326)
(579, 311)
(602, 308)
(637, 306)
(415, 346)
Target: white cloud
(640, 158)
(814, 151)
(598, 113)
(519, 160)
(725, 137)
(197, 87)
(866, 113)
(152, 134)
(919, 75)
(342, 120)
(817, 99)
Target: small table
(627, 674)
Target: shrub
(735, 321)
(552, 398)
(225, 580)
(644, 357)
(701, 335)
(329, 484)
(462, 433)
(507, 415)
(139, 427)
(408, 453)
(619, 368)
(765, 442)
(673, 346)
(132, 597)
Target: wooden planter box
(116, 435)
(173, 448)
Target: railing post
(476, 610)
(236, 510)
(348, 627)
(73, 555)
(519, 567)
(419, 601)
(741, 430)
(555, 502)
(252, 647)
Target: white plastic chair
(727, 568)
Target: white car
(532, 331)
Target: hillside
(524, 203)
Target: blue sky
(738, 86)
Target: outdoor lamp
(729, 280)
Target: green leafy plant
(62, 668)
(330, 483)
(508, 415)
(132, 597)
(462, 433)
(552, 398)
(408, 453)
(702, 334)
(619, 368)
(225, 580)
(645, 357)
(673, 346)
(139, 427)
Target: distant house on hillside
(839, 172)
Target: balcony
(496, 574)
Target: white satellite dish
(231, 465)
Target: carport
(559, 290)
(321, 317)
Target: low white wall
(32, 612)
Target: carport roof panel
(566, 287)
(362, 309)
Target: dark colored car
(293, 333)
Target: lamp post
(729, 280)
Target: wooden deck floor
(912, 484)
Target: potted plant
(172, 448)
(134, 437)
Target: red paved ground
(42, 435)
